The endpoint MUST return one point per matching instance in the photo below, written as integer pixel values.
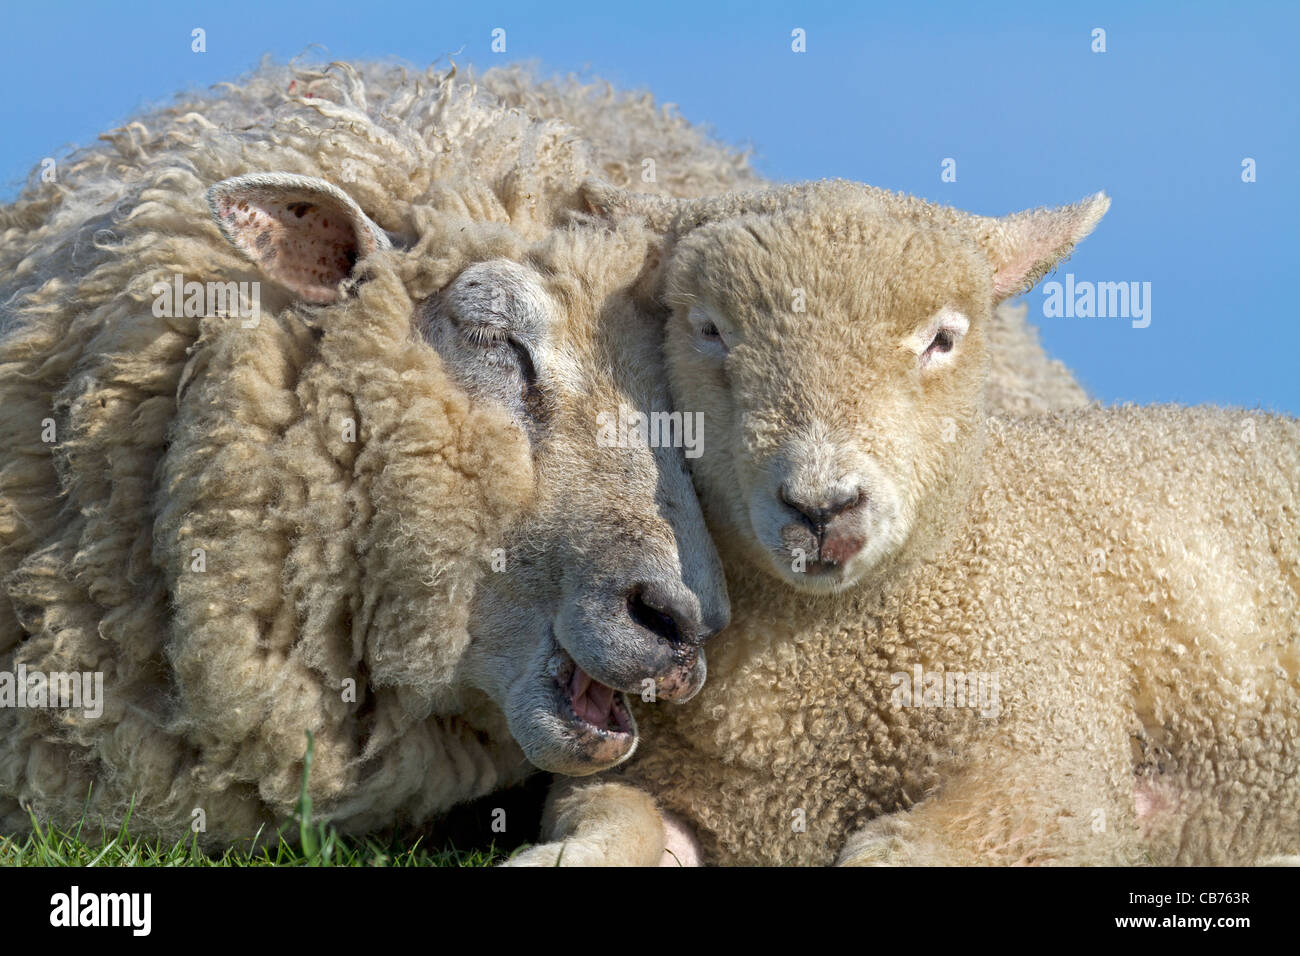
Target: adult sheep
(958, 639)
(367, 499)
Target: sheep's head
(612, 584)
(833, 335)
(598, 578)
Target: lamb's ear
(613, 203)
(304, 233)
(1024, 246)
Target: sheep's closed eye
(502, 350)
(709, 339)
(486, 326)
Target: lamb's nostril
(662, 615)
(819, 512)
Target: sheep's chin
(589, 726)
(776, 561)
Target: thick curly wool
(627, 129)
(1178, 581)
(199, 529)
(1080, 640)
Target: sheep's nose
(671, 613)
(820, 511)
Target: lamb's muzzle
(824, 526)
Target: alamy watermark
(1099, 300)
(57, 690)
(241, 300)
(131, 911)
(977, 690)
(630, 429)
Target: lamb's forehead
(864, 259)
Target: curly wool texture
(1165, 730)
(1117, 588)
(200, 530)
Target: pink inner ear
(306, 246)
(1025, 246)
(1011, 276)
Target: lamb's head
(597, 577)
(833, 336)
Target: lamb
(363, 495)
(958, 638)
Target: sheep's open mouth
(591, 705)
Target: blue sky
(884, 93)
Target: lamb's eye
(943, 336)
(710, 332)
(943, 342)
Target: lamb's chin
(816, 577)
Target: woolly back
(248, 527)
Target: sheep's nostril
(662, 617)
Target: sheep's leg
(929, 836)
(886, 841)
(909, 839)
(681, 847)
(605, 823)
(1011, 813)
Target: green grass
(53, 847)
(318, 844)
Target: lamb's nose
(668, 612)
(820, 511)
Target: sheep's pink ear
(1024, 246)
(304, 233)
